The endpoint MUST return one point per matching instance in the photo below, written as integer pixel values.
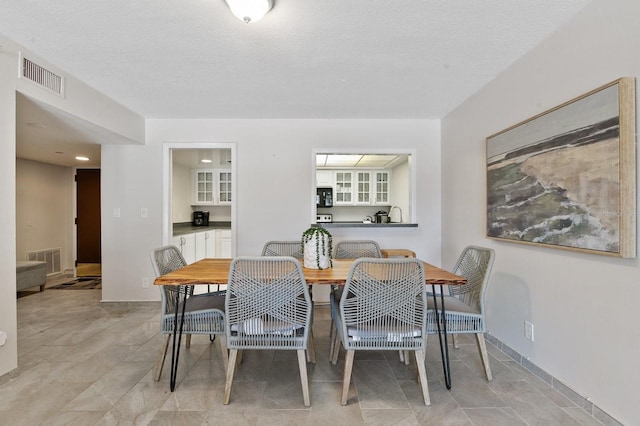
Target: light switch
(116, 212)
(144, 213)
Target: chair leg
(333, 334)
(311, 350)
(162, 355)
(406, 357)
(482, 348)
(188, 341)
(224, 351)
(346, 380)
(336, 352)
(422, 374)
(233, 354)
(454, 337)
(302, 363)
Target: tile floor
(82, 362)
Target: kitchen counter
(365, 225)
(188, 228)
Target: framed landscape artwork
(566, 178)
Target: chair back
(283, 248)
(164, 260)
(354, 249)
(475, 265)
(383, 305)
(268, 304)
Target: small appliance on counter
(324, 197)
(324, 218)
(200, 218)
(395, 214)
(382, 217)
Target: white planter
(310, 248)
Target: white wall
(584, 307)
(44, 209)
(8, 322)
(80, 100)
(274, 187)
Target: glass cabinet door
(204, 186)
(382, 188)
(344, 188)
(224, 187)
(363, 188)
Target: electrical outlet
(145, 282)
(528, 330)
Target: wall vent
(41, 76)
(51, 256)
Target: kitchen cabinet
(223, 243)
(358, 187)
(212, 187)
(187, 245)
(205, 244)
(324, 178)
(343, 188)
(381, 182)
(200, 245)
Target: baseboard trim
(582, 402)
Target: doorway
(88, 225)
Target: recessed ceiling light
(59, 152)
(80, 158)
(205, 161)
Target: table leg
(442, 332)
(175, 352)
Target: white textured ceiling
(304, 59)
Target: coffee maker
(200, 218)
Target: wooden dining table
(216, 272)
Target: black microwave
(324, 197)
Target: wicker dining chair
(464, 305)
(204, 313)
(293, 249)
(267, 307)
(283, 248)
(383, 307)
(347, 249)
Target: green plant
(324, 246)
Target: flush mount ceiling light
(80, 158)
(249, 10)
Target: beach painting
(566, 178)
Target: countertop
(365, 225)
(188, 228)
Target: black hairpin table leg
(442, 333)
(175, 353)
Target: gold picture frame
(566, 178)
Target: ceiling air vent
(41, 76)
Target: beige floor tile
(84, 362)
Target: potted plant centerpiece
(317, 248)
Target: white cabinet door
(223, 243)
(204, 186)
(324, 178)
(210, 244)
(381, 194)
(363, 187)
(187, 245)
(205, 244)
(343, 192)
(224, 187)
